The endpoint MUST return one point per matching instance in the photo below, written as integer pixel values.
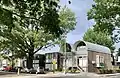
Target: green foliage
(98, 38)
(66, 14)
(40, 14)
(65, 47)
(27, 26)
(106, 14)
(119, 52)
(105, 71)
(27, 39)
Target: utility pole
(72, 61)
(65, 54)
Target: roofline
(99, 52)
(87, 43)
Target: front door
(82, 62)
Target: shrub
(105, 71)
(110, 71)
(118, 71)
(101, 71)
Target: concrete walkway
(59, 75)
(55, 75)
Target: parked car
(25, 70)
(37, 71)
(7, 68)
(72, 69)
(32, 71)
(15, 69)
(3, 68)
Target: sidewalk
(50, 74)
(109, 75)
(61, 74)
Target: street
(61, 75)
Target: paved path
(62, 75)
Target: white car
(27, 70)
(1, 68)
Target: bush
(105, 71)
(101, 71)
(110, 71)
(60, 69)
(118, 71)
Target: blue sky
(80, 8)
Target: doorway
(82, 63)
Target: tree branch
(43, 47)
(38, 49)
(19, 14)
(25, 16)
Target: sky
(80, 8)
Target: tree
(66, 15)
(98, 38)
(39, 13)
(23, 40)
(119, 52)
(106, 15)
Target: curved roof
(93, 47)
(52, 49)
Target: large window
(99, 60)
(49, 57)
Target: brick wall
(92, 57)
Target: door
(82, 62)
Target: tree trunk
(30, 61)
(13, 64)
(113, 62)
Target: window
(49, 56)
(101, 59)
(55, 56)
(97, 59)
(80, 57)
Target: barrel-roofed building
(90, 57)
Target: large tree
(106, 14)
(98, 38)
(23, 40)
(39, 13)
